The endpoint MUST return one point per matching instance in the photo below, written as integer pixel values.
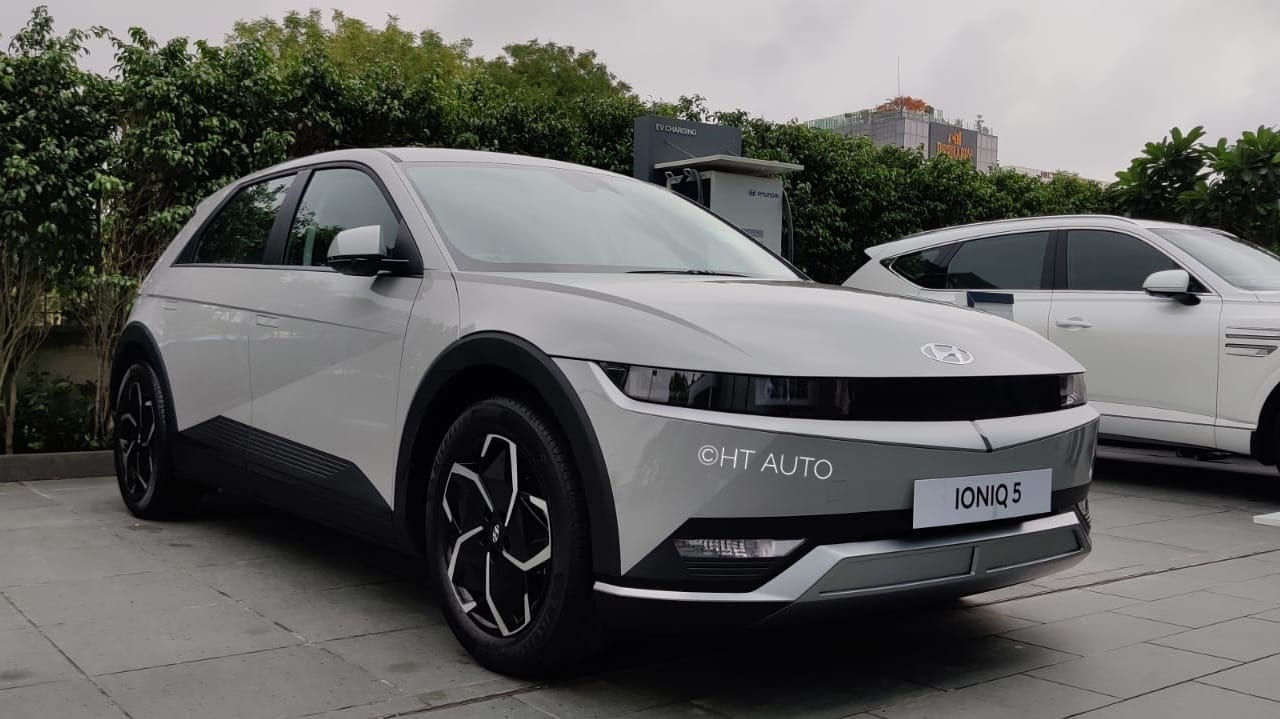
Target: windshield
(1243, 264)
(512, 218)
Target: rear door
(325, 352)
(1009, 275)
(202, 326)
(1152, 362)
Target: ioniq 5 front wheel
(508, 541)
(144, 467)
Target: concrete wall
(65, 352)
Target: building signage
(676, 129)
(953, 142)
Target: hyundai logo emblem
(949, 354)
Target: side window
(1100, 260)
(1007, 262)
(238, 233)
(925, 268)
(336, 199)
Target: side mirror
(1173, 284)
(359, 251)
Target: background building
(910, 123)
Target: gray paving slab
(274, 576)
(1191, 699)
(817, 694)
(1196, 609)
(1259, 679)
(689, 710)
(19, 497)
(67, 699)
(47, 538)
(122, 642)
(952, 665)
(1243, 639)
(1191, 579)
(131, 594)
(23, 567)
(1133, 670)
(1272, 616)
(1263, 589)
(500, 708)
(1233, 530)
(1094, 633)
(289, 682)
(11, 618)
(1058, 606)
(27, 657)
(1016, 697)
(426, 662)
(350, 611)
(1110, 512)
(1269, 557)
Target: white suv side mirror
(1174, 284)
(358, 251)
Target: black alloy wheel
(142, 452)
(509, 548)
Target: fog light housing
(735, 548)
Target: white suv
(1177, 325)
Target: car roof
(946, 235)
(420, 154)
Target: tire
(143, 453)
(539, 619)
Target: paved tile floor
(244, 612)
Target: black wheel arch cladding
(506, 352)
(136, 343)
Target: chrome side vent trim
(1244, 350)
(1252, 341)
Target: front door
(1152, 362)
(325, 352)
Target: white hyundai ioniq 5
(582, 397)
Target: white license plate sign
(981, 498)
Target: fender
(136, 338)
(523, 359)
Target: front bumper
(867, 574)
(844, 489)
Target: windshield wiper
(716, 273)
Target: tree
(554, 71)
(1155, 180)
(1242, 195)
(55, 139)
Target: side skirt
(292, 477)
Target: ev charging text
(778, 463)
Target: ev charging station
(704, 162)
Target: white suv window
(1110, 261)
(1007, 262)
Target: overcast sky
(1077, 85)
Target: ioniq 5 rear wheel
(508, 541)
(144, 467)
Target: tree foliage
(55, 140)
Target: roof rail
(1006, 220)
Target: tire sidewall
(142, 372)
(511, 419)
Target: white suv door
(1152, 362)
(325, 349)
(1005, 274)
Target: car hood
(747, 326)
